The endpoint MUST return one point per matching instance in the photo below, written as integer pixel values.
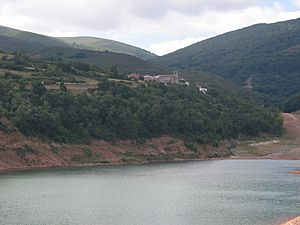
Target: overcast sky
(160, 26)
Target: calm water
(195, 193)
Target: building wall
(167, 79)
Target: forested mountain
(119, 109)
(88, 43)
(116, 111)
(42, 46)
(292, 103)
(265, 57)
(101, 44)
(30, 37)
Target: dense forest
(118, 111)
(291, 104)
(264, 57)
(117, 108)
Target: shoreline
(90, 165)
(43, 155)
(113, 164)
(294, 221)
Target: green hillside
(101, 44)
(265, 57)
(292, 103)
(116, 109)
(31, 37)
(103, 60)
(42, 46)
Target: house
(166, 79)
(203, 90)
(148, 78)
(134, 76)
(184, 82)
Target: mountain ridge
(267, 53)
(103, 44)
(81, 42)
(31, 37)
(12, 40)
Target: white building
(203, 90)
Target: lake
(226, 192)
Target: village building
(148, 78)
(134, 76)
(184, 82)
(166, 79)
(203, 89)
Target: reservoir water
(229, 192)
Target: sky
(160, 26)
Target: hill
(101, 44)
(31, 37)
(87, 43)
(12, 40)
(263, 57)
(292, 103)
(120, 109)
(45, 103)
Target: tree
(62, 87)
(38, 88)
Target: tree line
(117, 111)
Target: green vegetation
(102, 60)
(268, 55)
(119, 111)
(31, 37)
(101, 44)
(127, 58)
(5, 128)
(88, 43)
(87, 152)
(292, 103)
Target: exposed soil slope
(18, 152)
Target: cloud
(213, 22)
(297, 3)
(157, 25)
(105, 15)
(170, 46)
